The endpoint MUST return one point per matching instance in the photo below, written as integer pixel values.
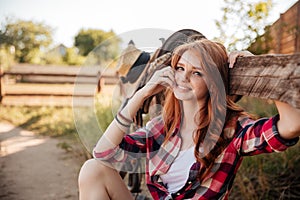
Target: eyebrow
(181, 64)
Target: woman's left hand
(233, 55)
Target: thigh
(101, 181)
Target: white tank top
(178, 172)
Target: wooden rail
(274, 77)
(37, 83)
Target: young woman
(194, 149)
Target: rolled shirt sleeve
(132, 146)
(260, 136)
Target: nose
(186, 76)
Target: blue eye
(198, 73)
(177, 68)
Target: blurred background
(44, 46)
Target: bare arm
(289, 122)
(115, 131)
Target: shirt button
(178, 194)
(190, 182)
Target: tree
(246, 19)
(105, 45)
(27, 37)
(72, 57)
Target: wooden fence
(283, 36)
(51, 85)
(274, 77)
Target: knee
(90, 172)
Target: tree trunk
(274, 77)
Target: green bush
(258, 107)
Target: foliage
(105, 45)
(6, 58)
(63, 56)
(262, 44)
(26, 37)
(258, 107)
(246, 20)
(72, 57)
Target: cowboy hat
(128, 57)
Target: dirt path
(33, 167)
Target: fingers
(164, 77)
(167, 78)
(233, 56)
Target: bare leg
(98, 181)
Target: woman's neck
(189, 111)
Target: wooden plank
(1, 84)
(274, 77)
(297, 39)
(28, 100)
(36, 73)
(48, 69)
(61, 70)
(62, 74)
(45, 101)
(22, 89)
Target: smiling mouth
(182, 88)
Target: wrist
(123, 122)
(144, 93)
(133, 105)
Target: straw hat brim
(128, 57)
(135, 75)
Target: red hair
(213, 58)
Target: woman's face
(189, 81)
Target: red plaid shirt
(249, 138)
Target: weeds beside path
(34, 167)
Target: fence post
(100, 82)
(1, 84)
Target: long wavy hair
(213, 58)
(176, 39)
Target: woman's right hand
(160, 80)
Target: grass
(258, 107)
(50, 121)
(60, 122)
(269, 176)
(53, 120)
